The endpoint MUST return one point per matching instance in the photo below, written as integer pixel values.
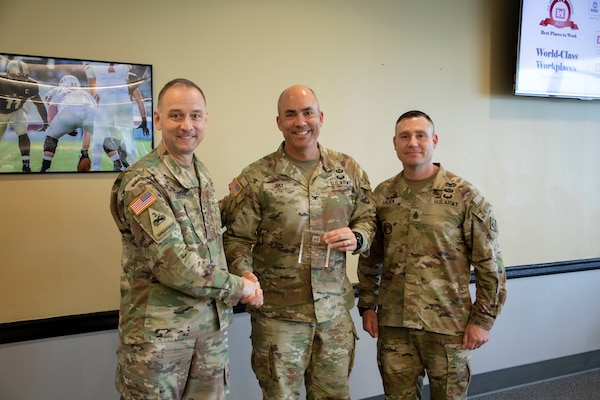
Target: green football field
(65, 159)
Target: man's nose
(300, 120)
(186, 123)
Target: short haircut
(415, 114)
(179, 82)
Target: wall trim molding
(21, 331)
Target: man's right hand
(252, 293)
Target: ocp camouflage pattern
(265, 221)
(418, 271)
(174, 281)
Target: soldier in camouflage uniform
(414, 286)
(302, 190)
(176, 292)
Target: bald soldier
(432, 227)
(291, 218)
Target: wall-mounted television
(558, 52)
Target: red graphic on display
(560, 15)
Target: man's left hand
(475, 337)
(341, 239)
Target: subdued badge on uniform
(493, 225)
(236, 186)
(387, 228)
(161, 224)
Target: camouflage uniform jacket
(418, 271)
(270, 205)
(174, 282)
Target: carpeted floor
(584, 386)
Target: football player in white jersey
(69, 108)
(108, 83)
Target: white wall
(544, 318)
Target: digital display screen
(559, 49)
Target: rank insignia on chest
(142, 202)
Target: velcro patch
(235, 187)
(142, 202)
(162, 224)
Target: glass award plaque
(313, 250)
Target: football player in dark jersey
(14, 92)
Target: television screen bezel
(518, 70)
(61, 66)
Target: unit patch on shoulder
(142, 202)
(235, 187)
(162, 224)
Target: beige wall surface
(368, 61)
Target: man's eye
(196, 116)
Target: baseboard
(528, 374)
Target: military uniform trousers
(403, 354)
(191, 369)
(284, 353)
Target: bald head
(295, 92)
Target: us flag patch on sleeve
(142, 202)
(235, 187)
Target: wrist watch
(359, 240)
